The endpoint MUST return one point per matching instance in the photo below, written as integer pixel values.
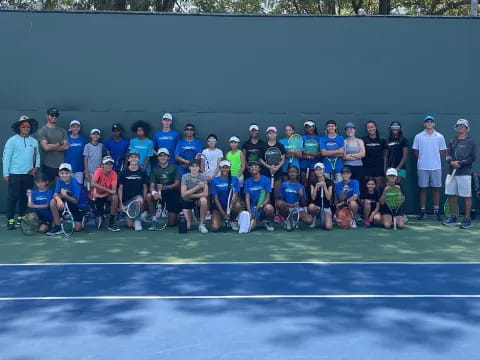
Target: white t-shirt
(212, 159)
(429, 147)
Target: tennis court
(344, 294)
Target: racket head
(261, 197)
(292, 219)
(446, 209)
(393, 198)
(133, 209)
(273, 156)
(162, 220)
(295, 141)
(344, 218)
(67, 222)
(189, 155)
(30, 223)
(311, 146)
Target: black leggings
(17, 192)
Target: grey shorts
(429, 178)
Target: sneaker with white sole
(354, 224)
(268, 225)
(137, 225)
(234, 225)
(202, 228)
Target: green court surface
(422, 242)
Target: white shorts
(459, 185)
(78, 176)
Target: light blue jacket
(18, 155)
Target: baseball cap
(463, 122)
(94, 131)
(167, 116)
(53, 111)
(429, 117)
(234, 138)
(349, 125)
(253, 127)
(163, 151)
(65, 166)
(309, 123)
(254, 163)
(107, 159)
(392, 171)
(345, 169)
(319, 164)
(329, 122)
(23, 118)
(133, 152)
(116, 127)
(225, 163)
(74, 122)
(271, 128)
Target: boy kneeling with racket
(391, 201)
(39, 203)
(194, 192)
(347, 193)
(67, 192)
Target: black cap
(116, 127)
(331, 122)
(53, 111)
(254, 163)
(345, 169)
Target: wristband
(154, 193)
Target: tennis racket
(188, 155)
(30, 223)
(292, 219)
(260, 200)
(447, 210)
(344, 217)
(67, 221)
(161, 214)
(229, 206)
(321, 214)
(332, 160)
(273, 156)
(205, 164)
(393, 200)
(310, 146)
(34, 161)
(133, 208)
(295, 143)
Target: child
(39, 202)
(67, 190)
(387, 215)
(187, 149)
(142, 145)
(117, 148)
(370, 203)
(92, 155)
(347, 192)
(321, 190)
(236, 159)
(332, 148)
(74, 154)
(211, 157)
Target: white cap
(271, 128)
(65, 166)
(95, 130)
(309, 123)
(463, 122)
(234, 138)
(253, 127)
(167, 116)
(74, 122)
(163, 151)
(225, 163)
(392, 171)
(107, 159)
(319, 164)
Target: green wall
(223, 72)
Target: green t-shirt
(165, 176)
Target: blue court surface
(240, 311)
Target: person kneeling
(194, 192)
(394, 208)
(321, 190)
(347, 192)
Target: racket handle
(272, 181)
(394, 222)
(308, 173)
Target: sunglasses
(53, 115)
(189, 129)
(395, 127)
(25, 126)
(211, 140)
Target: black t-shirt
(318, 199)
(373, 197)
(373, 152)
(132, 182)
(395, 152)
(254, 152)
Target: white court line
(245, 297)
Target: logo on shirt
(133, 177)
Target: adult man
(461, 154)
(166, 138)
(21, 158)
(54, 142)
(253, 148)
(117, 147)
(428, 147)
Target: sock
(435, 209)
(112, 219)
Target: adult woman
(354, 152)
(374, 160)
(397, 150)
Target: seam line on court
(252, 262)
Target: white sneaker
(234, 226)
(137, 225)
(202, 228)
(208, 217)
(268, 225)
(354, 224)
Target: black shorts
(384, 210)
(49, 172)
(376, 171)
(172, 200)
(189, 204)
(77, 212)
(44, 220)
(278, 175)
(100, 205)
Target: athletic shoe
(358, 218)
(137, 225)
(437, 216)
(18, 222)
(152, 226)
(368, 224)
(268, 225)
(466, 224)
(234, 225)
(405, 218)
(354, 224)
(450, 221)
(202, 228)
(422, 216)
(313, 224)
(113, 227)
(56, 230)
(11, 224)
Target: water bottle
(182, 223)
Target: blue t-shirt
(75, 189)
(166, 139)
(289, 192)
(74, 154)
(253, 188)
(353, 188)
(328, 143)
(187, 150)
(43, 198)
(289, 161)
(307, 163)
(219, 187)
(144, 148)
(117, 150)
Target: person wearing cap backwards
(384, 210)
(219, 189)
(164, 186)
(21, 158)
(461, 154)
(103, 191)
(253, 187)
(309, 158)
(347, 193)
(117, 147)
(429, 147)
(167, 137)
(67, 190)
(332, 147)
(237, 159)
(74, 154)
(268, 170)
(354, 153)
(92, 155)
(142, 145)
(253, 147)
(321, 184)
(53, 141)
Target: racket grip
(272, 181)
(308, 173)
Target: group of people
(320, 173)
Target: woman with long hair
(354, 152)
(397, 150)
(374, 161)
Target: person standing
(354, 153)
(142, 145)
(374, 161)
(253, 147)
(167, 138)
(21, 158)
(461, 154)
(332, 147)
(188, 149)
(117, 148)
(429, 147)
(92, 155)
(397, 150)
(74, 154)
(54, 142)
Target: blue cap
(429, 117)
(349, 125)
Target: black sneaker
(422, 216)
(450, 221)
(113, 227)
(11, 224)
(56, 230)
(18, 223)
(437, 216)
(466, 224)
